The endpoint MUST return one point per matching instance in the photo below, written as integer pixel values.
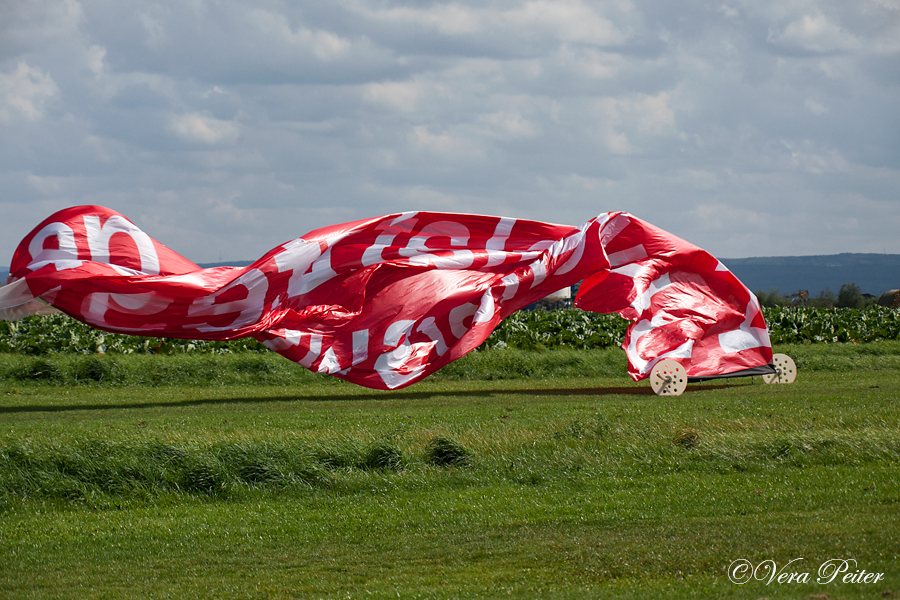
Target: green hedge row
(526, 330)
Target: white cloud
(402, 95)
(562, 20)
(195, 127)
(816, 161)
(592, 63)
(567, 20)
(509, 125)
(45, 185)
(815, 32)
(323, 44)
(621, 119)
(816, 108)
(698, 178)
(196, 118)
(451, 19)
(95, 56)
(153, 23)
(24, 92)
(31, 24)
(452, 145)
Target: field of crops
(140, 467)
(525, 330)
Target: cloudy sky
(223, 128)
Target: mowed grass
(542, 481)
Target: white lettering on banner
(613, 227)
(320, 273)
(573, 242)
(389, 364)
(291, 338)
(311, 265)
(510, 285)
(633, 270)
(458, 314)
(394, 367)
(745, 337)
(601, 220)
(99, 236)
(429, 327)
(360, 346)
(497, 244)
(419, 252)
(95, 306)
(642, 328)
(373, 254)
(540, 272)
(629, 255)
(486, 309)
(682, 351)
(250, 308)
(297, 255)
(66, 257)
(642, 302)
(639, 330)
(396, 332)
(315, 349)
(459, 259)
(283, 341)
(457, 232)
(330, 363)
(360, 349)
(417, 318)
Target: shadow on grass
(386, 395)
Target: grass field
(509, 474)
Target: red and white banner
(384, 302)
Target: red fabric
(683, 302)
(384, 302)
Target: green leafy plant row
(533, 330)
(40, 335)
(525, 330)
(794, 324)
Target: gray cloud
(225, 128)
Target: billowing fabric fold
(384, 302)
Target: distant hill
(873, 273)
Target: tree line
(849, 296)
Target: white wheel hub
(668, 378)
(785, 370)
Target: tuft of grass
(94, 368)
(204, 475)
(383, 456)
(687, 437)
(254, 365)
(446, 452)
(38, 369)
(86, 468)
